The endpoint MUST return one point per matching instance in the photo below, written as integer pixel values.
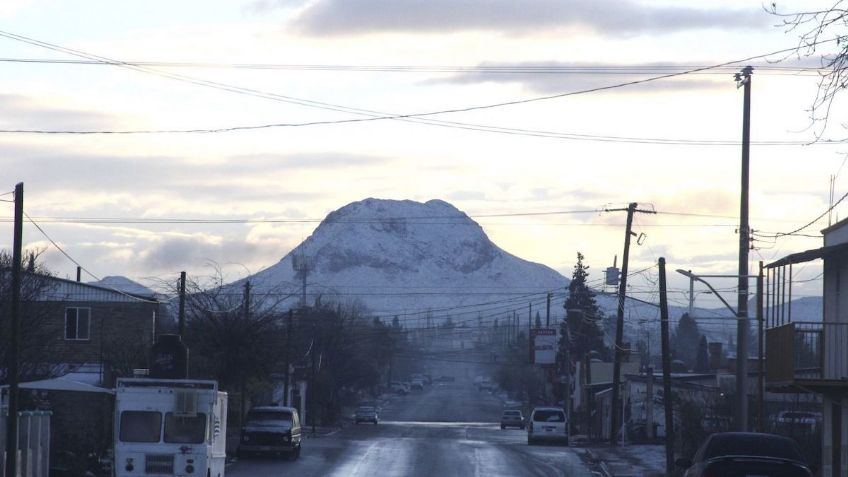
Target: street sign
(544, 346)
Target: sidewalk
(630, 461)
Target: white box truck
(170, 427)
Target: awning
(809, 255)
(62, 384)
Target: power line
(587, 69)
(60, 249)
(371, 115)
(808, 224)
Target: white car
(547, 424)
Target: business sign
(544, 345)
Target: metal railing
(807, 350)
(33, 444)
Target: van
(169, 427)
(547, 424)
(271, 430)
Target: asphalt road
(447, 430)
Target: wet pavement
(445, 430)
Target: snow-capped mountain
(412, 259)
(405, 258)
(123, 284)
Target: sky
(212, 65)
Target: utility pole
(666, 370)
(618, 352)
(242, 384)
(311, 389)
(14, 331)
(760, 348)
(548, 313)
(743, 79)
(288, 357)
(79, 274)
(246, 300)
(181, 320)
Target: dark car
(271, 430)
(366, 414)
(744, 454)
(512, 418)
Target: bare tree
(36, 337)
(824, 33)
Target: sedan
(512, 418)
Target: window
(549, 416)
(77, 323)
(259, 418)
(140, 426)
(185, 430)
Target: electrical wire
(371, 115)
(60, 249)
(587, 69)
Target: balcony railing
(807, 351)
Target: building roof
(810, 255)
(61, 289)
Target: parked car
(399, 387)
(742, 454)
(271, 430)
(512, 418)
(366, 414)
(547, 424)
(417, 385)
(806, 418)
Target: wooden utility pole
(182, 303)
(760, 347)
(743, 79)
(311, 390)
(618, 352)
(666, 370)
(548, 313)
(288, 357)
(14, 338)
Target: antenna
(302, 266)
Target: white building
(813, 356)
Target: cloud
(22, 112)
(351, 17)
(552, 77)
(172, 252)
(57, 169)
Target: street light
(693, 278)
(741, 346)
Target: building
(812, 356)
(86, 332)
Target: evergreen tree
(702, 361)
(686, 338)
(583, 317)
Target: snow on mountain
(123, 284)
(404, 258)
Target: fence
(33, 444)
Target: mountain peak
(403, 254)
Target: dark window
(140, 426)
(77, 321)
(185, 430)
(549, 416)
(270, 419)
